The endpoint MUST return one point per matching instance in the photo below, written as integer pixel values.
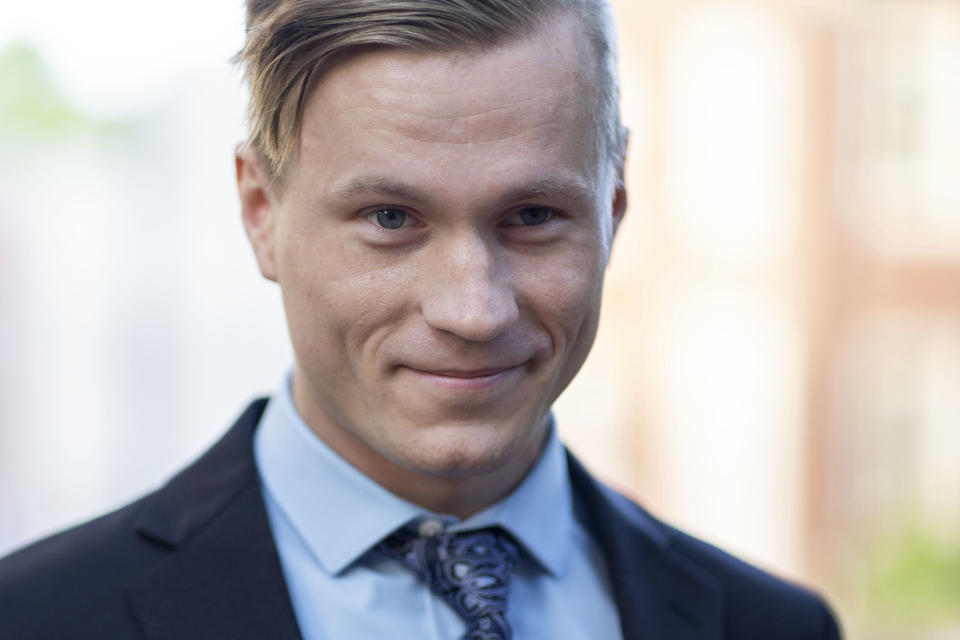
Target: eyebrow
(560, 187)
(380, 185)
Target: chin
(458, 452)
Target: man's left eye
(530, 216)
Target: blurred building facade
(782, 327)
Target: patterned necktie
(469, 570)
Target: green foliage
(31, 104)
(915, 580)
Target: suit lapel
(659, 594)
(222, 576)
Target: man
(435, 186)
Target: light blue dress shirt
(326, 515)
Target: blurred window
(899, 131)
(733, 122)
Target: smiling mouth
(456, 373)
(467, 380)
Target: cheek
(563, 293)
(340, 303)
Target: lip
(466, 379)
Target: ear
(257, 207)
(620, 187)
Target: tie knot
(470, 570)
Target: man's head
(440, 238)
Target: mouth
(467, 379)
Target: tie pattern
(469, 570)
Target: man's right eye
(389, 218)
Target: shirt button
(430, 528)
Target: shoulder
(73, 584)
(757, 603)
(73, 580)
(701, 581)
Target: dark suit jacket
(196, 559)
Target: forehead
(463, 87)
(533, 94)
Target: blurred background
(778, 365)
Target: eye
(530, 216)
(389, 218)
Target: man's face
(440, 240)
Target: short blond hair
(288, 42)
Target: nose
(468, 291)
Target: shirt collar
(340, 513)
(539, 512)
